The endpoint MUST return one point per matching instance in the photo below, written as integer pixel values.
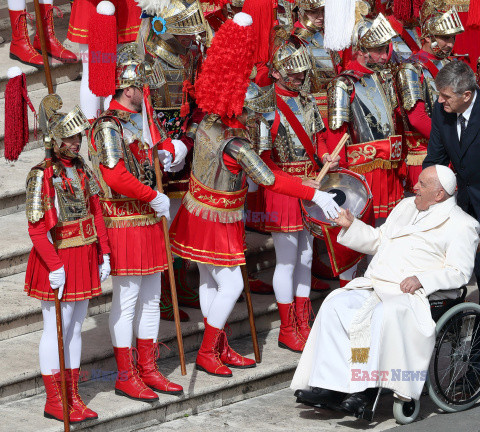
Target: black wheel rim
(456, 379)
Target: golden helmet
(437, 18)
(372, 33)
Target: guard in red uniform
(132, 208)
(70, 255)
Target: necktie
(463, 126)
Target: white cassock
(390, 334)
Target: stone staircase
(22, 394)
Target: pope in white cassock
(378, 330)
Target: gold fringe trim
(360, 355)
(370, 166)
(210, 213)
(415, 159)
(135, 221)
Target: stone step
(202, 392)
(21, 374)
(20, 314)
(61, 72)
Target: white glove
(326, 202)
(165, 158)
(161, 205)
(57, 280)
(180, 154)
(104, 268)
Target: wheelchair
(453, 379)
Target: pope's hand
(345, 218)
(328, 158)
(410, 285)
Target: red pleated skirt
(276, 212)
(82, 280)
(127, 14)
(137, 250)
(387, 190)
(198, 239)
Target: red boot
(74, 398)
(128, 381)
(21, 48)
(303, 309)
(166, 305)
(53, 405)
(289, 337)
(148, 368)
(53, 45)
(230, 357)
(208, 357)
(259, 287)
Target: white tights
(73, 315)
(220, 288)
(292, 276)
(20, 5)
(135, 308)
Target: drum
(352, 193)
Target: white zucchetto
(447, 178)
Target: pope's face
(426, 189)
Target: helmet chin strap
(66, 153)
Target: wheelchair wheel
(405, 412)
(453, 379)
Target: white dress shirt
(466, 115)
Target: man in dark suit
(455, 136)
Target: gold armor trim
(289, 59)
(183, 17)
(34, 204)
(253, 165)
(108, 140)
(338, 93)
(437, 18)
(82, 239)
(263, 103)
(380, 33)
(93, 186)
(460, 5)
(310, 4)
(409, 85)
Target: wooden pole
(171, 275)
(41, 35)
(335, 153)
(251, 316)
(48, 158)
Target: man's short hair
(457, 75)
(118, 94)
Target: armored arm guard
(409, 85)
(338, 92)
(34, 204)
(108, 136)
(93, 186)
(250, 162)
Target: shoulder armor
(317, 117)
(409, 85)
(251, 163)
(338, 93)
(264, 103)
(34, 204)
(107, 140)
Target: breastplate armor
(172, 69)
(208, 167)
(124, 141)
(287, 146)
(401, 49)
(429, 87)
(372, 110)
(71, 206)
(322, 65)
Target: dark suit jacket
(444, 147)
